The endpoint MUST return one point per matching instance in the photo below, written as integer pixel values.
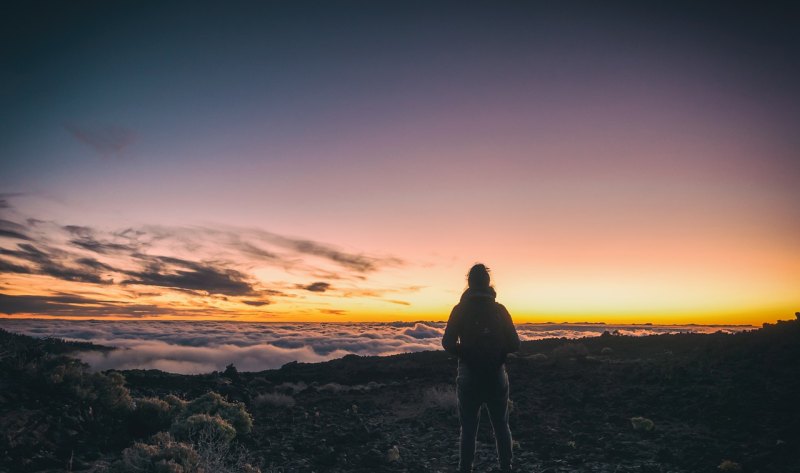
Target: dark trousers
(474, 390)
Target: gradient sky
(334, 160)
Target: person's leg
(469, 407)
(498, 415)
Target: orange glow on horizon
(755, 319)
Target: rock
(642, 424)
(393, 455)
(728, 465)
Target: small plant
(606, 351)
(642, 424)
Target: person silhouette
(481, 334)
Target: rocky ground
(699, 403)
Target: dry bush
(571, 350)
(209, 451)
(274, 399)
(213, 443)
(291, 388)
(192, 426)
(162, 455)
(176, 404)
(213, 404)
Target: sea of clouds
(192, 347)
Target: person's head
(478, 277)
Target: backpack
(482, 336)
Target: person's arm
(451, 332)
(511, 338)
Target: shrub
(212, 440)
(203, 425)
(162, 455)
(69, 373)
(231, 372)
(150, 415)
(72, 379)
(213, 404)
(112, 395)
(291, 388)
(538, 357)
(175, 402)
(200, 437)
(274, 399)
(606, 351)
(571, 350)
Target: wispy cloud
(51, 264)
(333, 311)
(214, 267)
(315, 286)
(5, 199)
(357, 262)
(397, 301)
(8, 267)
(106, 141)
(12, 230)
(75, 306)
(178, 273)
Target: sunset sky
(349, 161)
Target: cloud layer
(201, 347)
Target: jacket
(479, 312)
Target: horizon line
(162, 319)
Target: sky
(349, 161)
